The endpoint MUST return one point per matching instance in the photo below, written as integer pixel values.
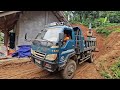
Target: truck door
(67, 48)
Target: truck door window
(67, 36)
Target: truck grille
(39, 55)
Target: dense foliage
(95, 17)
(99, 19)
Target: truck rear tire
(90, 60)
(69, 71)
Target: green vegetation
(1, 38)
(103, 31)
(106, 74)
(117, 30)
(100, 20)
(114, 69)
(108, 28)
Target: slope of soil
(110, 53)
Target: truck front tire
(69, 71)
(32, 59)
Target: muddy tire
(32, 59)
(69, 71)
(90, 60)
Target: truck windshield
(52, 34)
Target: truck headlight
(51, 57)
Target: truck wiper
(48, 41)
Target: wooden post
(6, 38)
(6, 34)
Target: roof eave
(7, 13)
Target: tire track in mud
(81, 68)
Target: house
(22, 22)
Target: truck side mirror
(26, 38)
(61, 36)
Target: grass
(103, 31)
(115, 71)
(117, 30)
(106, 74)
(103, 72)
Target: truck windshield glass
(52, 34)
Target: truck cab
(50, 51)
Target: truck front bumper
(47, 65)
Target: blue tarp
(23, 51)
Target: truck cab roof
(64, 26)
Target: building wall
(31, 22)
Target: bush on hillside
(103, 31)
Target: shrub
(103, 31)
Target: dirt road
(25, 69)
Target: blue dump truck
(50, 52)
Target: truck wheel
(32, 59)
(90, 60)
(69, 70)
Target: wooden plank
(6, 34)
